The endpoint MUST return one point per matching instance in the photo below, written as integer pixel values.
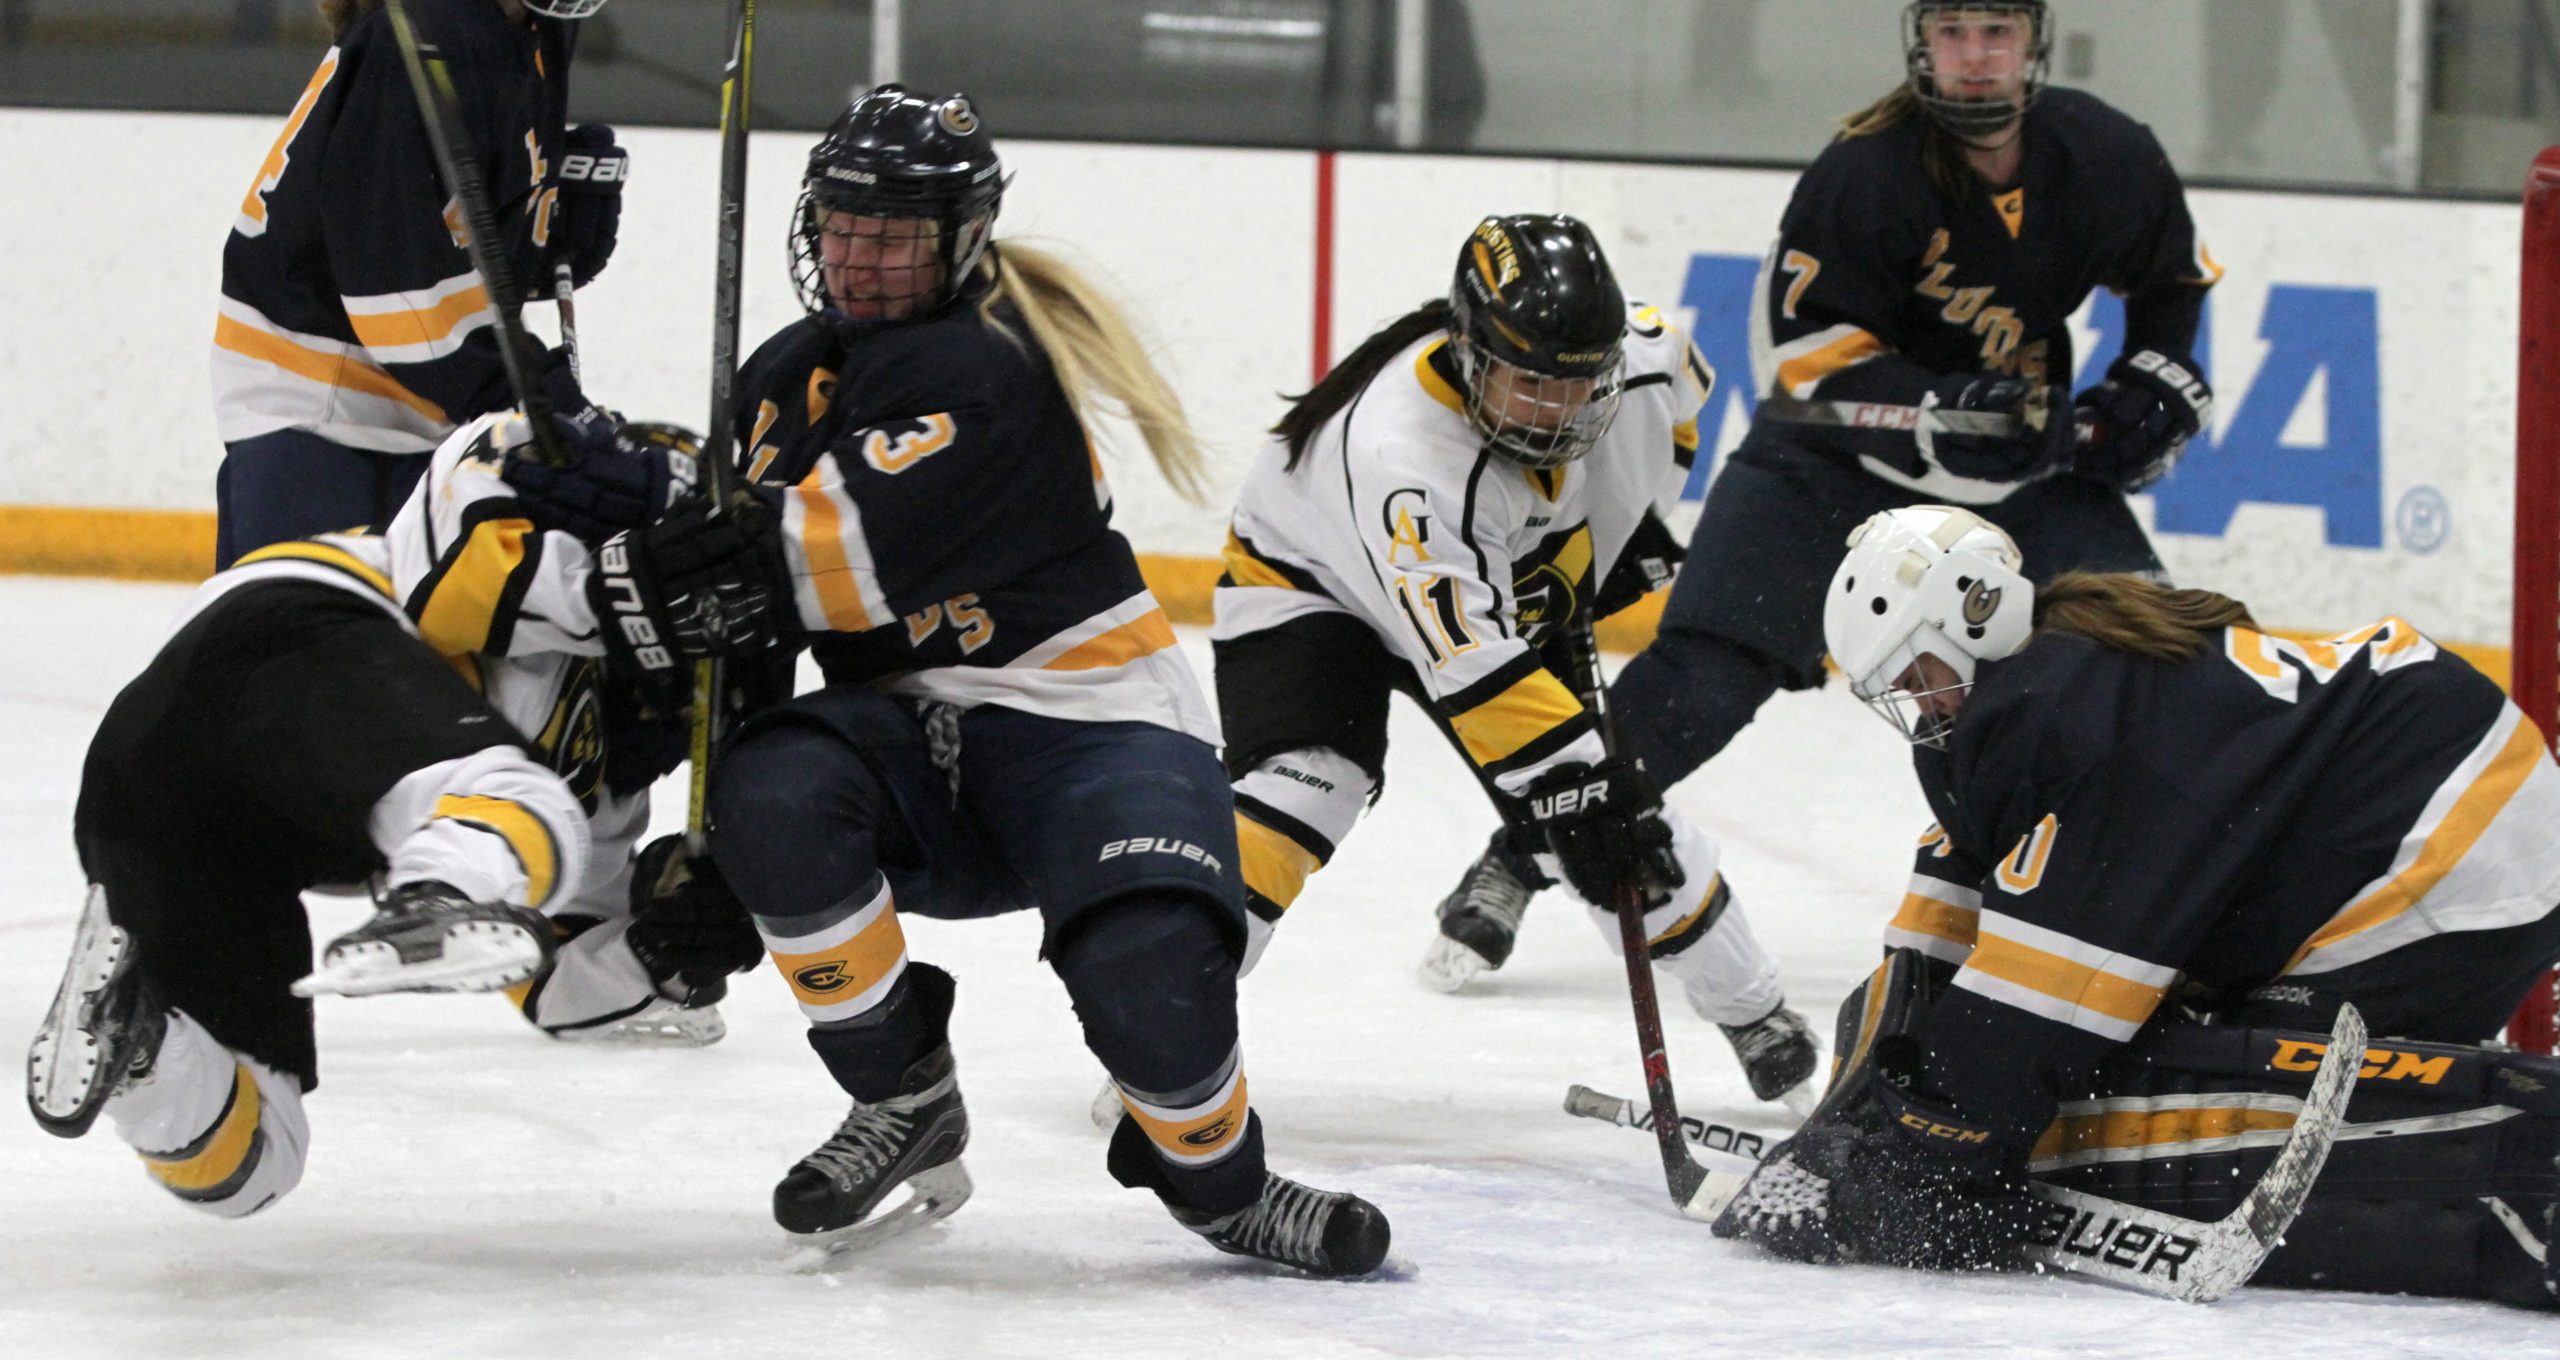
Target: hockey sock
(223, 1133)
(1155, 987)
(847, 964)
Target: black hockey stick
(719, 444)
(1690, 1185)
(439, 108)
(2150, 1250)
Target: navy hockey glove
(687, 928)
(589, 218)
(1895, 1179)
(2141, 418)
(1604, 824)
(2040, 446)
(620, 477)
(692, 586)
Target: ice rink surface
(477, 1190)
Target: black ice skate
(102, 1033)
(1779, 1056)
(428, 937)
(1480, 918)
(913, 1139)
(1322, 1232)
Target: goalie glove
(692, 586)
(687, 928)
(2141, 418)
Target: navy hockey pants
(1745, 617)
(274, 488)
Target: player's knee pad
(2443, 1181)
(493, 824)
(1293, 810)
(223, 1133)
(1154, 985)
(797, 817)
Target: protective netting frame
(2535, 636)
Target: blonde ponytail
(1097, 356)
(2137, 615)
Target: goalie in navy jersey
(1440, 516)
(1928, 259)
(1007, 722)
(354, 332)
(421, 710)
(2169, 846)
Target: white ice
(477, 1190)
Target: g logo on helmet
(956, 117)
(1981, 601)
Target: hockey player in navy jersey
(420, 709)
(1928, 259)
(1007, 722)
(2169, 846)
(1433, 518)
(354, 334)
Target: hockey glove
(1894, 1179)
(2040, 446)
(1604, 824)
(692, 586)
(2141, 418)
(1650, 560)
(687, 928)
(589, 218)
(630, 476)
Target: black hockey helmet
(1534, 296)
(1975, 117)
(922, 170)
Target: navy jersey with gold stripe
(947, 525)
(2112, 827)
(349, 305)
(1879, 285)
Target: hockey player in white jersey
(1439, 508)
(331, 711)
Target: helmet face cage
(565, 9)
(1973, 117)
(1538, 420)
(896, 210)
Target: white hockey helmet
(1924, 579)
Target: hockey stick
(439, 108)
(1874, 415)
(719, 444)
(564, 292)
(2107, 1240)
(1691, 1187)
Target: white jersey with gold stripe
(1460, 561)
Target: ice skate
(1327, 1233)
(428, 937)
(832, 1198)
(1480, 918)
(102, 1033)
(662, 1024)
(1779, 1057)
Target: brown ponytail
(2135, 614)
(1940, 153)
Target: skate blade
(65, 1089)
(478, 956)
(1801, 1098)
(1106, 1110)
(1449, 966)
(667, 1027)
(933, 1194)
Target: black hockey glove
(1894, 1179)
(624, 479)
(692, 586)
(2041, 445)
(687, 928)
(2141, 418)
(589, 218)
(1604, 824)
(1650, 560)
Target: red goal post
(2535, 637)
